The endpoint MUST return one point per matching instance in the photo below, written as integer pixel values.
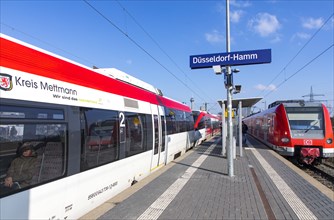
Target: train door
(159, 149)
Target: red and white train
(95, 132)
(206, 125)
(295, 128)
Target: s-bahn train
(92, 133)
(206, 125)
(295, 128)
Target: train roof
(120, 75)
(294, 103)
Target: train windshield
(305, 118)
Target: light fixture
(237, 89)
(217, 69)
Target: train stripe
(26, 58)
(16, 56)
(291, 198)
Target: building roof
(246, 102)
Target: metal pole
(234, 148)
(229, 96)
(223, 130)
(240, 127)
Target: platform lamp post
(228, 74)
(229, 87)
(192, 100)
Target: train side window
(15, 112)
(156, 134)
(178, 118)
(38, 127)
(100, 143)
(201, 123)
(190, 121)
(47, 142)
(171, 121)
(148, 131)
(10, 139)
(136, 133)
(179, 121)
(163, 141)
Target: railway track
(323, 172)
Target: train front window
(305, 119)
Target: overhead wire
(308, 63)
(163, 51)
(67, 52)
(285, 67)
(44, 42)
(140, 47)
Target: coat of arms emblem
(6, 82)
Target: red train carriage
(295, 128)
(206, 125)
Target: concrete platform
(197, 186)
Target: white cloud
(312, 23)
(265, 24)
(271, 87)
(300, 35)
(240, 4)
(276, 39)
(303, 35)
(214, 37)
(221, 7)
(236, 15)
(261, 87)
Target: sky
(153, 41)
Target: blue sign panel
(230, 59)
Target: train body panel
(72, 196)
(93, 135)
(295, 129)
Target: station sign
(230, 59)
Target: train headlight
(329, 141)
(285, 140)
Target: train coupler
(308, 155)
